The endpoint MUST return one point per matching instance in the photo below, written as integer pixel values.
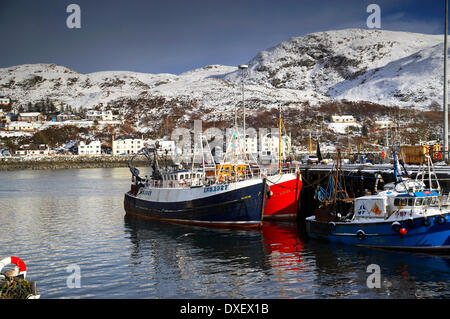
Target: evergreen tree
(52, 108)
(364, 131)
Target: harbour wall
(68, 162)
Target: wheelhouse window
(401, 202)
(434, 201)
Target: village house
(381, 124)
(20, 126)
(4, 101)
(29, 150)
(99, 115)
(5, 118)
(66, 116)
(343, 119)
(270, 145)
(127, 145)
(251, 142)
(93, 148)
(31, 117)
(168, 146)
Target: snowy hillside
(385, 67)
(390, 68)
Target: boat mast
(446, 86)
(338, 162)
(279, 141)
(243, 67)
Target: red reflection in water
(284, 244)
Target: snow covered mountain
(384, 67)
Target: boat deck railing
(189, 183)
(445, 199)
(218, 179)
(273, 170)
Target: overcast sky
(174, 36)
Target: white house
(20, 126)
(65, 116)
(270, 145)
(168, 146)
(93, 148)
(127, 145)
(4, 101)
(251, 141)
(251, 145)
(31, 117)
(99, 115)
(27, 150)
(343, 119)
(381, 124)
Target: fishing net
(18, 288)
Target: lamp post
(243, 67)
(445, 133)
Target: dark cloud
(176, 36)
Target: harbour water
(65, 223)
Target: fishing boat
(284, 181)
(285, 184)
(213, 197)
(284, 193)
(408, 216)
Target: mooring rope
(16, 289)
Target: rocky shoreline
(68, 162)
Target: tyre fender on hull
(441, 220)
(360, 234)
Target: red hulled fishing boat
(285, 184)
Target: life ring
(440, 220)
(437, 156)
(360, 234)
(426, 222)
(16, 261)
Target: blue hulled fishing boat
(409, 215)
(206, 196)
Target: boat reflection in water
(343, 271)
(291, 265)
(191, 261)
(282, 241)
